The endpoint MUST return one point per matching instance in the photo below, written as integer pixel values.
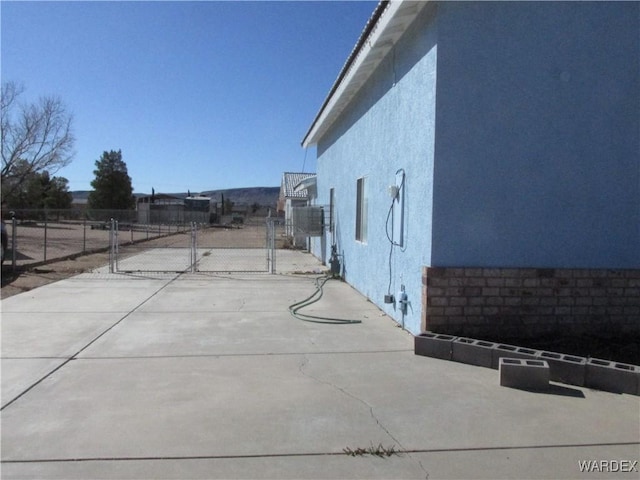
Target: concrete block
(511, 351)
(434, 345)
(612, 376)
(565, 368)
(523, 373)
(473, 352)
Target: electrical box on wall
(398, 209)
(308, 221)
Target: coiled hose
(313, 298)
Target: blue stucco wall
(538, 135)
(518, 127)
(390, 125)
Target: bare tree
(35, 137)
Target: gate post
(111, 246)
(271, 244)
(266, 242)
(116, 246)
(194, 246)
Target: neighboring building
(79, 203)
(511, 134)
(291, 195)
(160, 208)
(172, 209)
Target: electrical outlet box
(389, 299)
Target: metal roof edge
(378, 37)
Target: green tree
(58, 196)
(112, 188)
(39, 190)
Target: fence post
(271, 254)
(273, 246)
(268, 244)
(116, 242)
(111, 248)
(84, 233)
(14, 243)
(192, 250)
(46, 217)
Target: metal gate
(240, 247)
(246, 246)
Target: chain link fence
(37, 237)
(242, 246)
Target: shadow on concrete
(554, 389)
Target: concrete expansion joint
(85, 347)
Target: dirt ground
(28, 279)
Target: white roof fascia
(392, 23)
(306, 183)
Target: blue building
(481, 160)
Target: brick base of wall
(529, 302)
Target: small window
(361, 210)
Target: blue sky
(197, 95)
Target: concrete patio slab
(20, 374)
(230, 333)
(86, 293)
(52, 334)
(209, 376)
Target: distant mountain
(80, 194)
(263, 196)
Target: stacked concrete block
(434, 345)
(523, 373)
(567, 369)
(511, 351)
(612, 376)
(473, 352)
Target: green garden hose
(313, 298)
